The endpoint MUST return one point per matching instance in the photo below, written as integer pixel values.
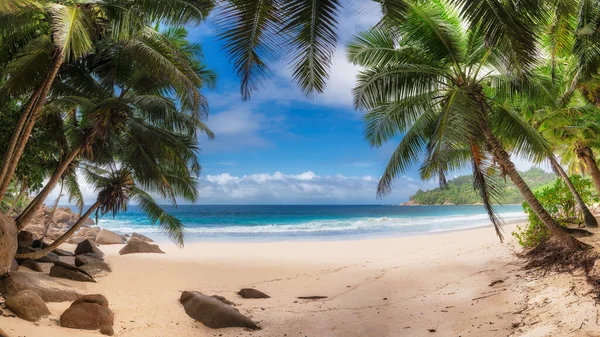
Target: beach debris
(28, 305)
(141, 237)
(252, 293)
(213, 311)
(87, 247)
(106, 237)
(312, 297)
(495, 282)
(89, 312)
(136, 245)
(71, 272)
(431, 330)
(385, 298)
(29, 263)
(45, 286)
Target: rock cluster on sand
(252, 293)
(90, 312)
(135, 245)
(63, 219)
(213, 312)
(67, 271)
(28, 305)
(106, 237)
(45, 286)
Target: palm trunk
(586, 154)
(35, 111)
(588, 218)
(41, 253)
(14, 204)
(28, 214)
(503, 158)
(51, 215)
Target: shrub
(559, 202)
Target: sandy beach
(405, 286)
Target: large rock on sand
(88, 247)
(106, 237)
(67, 271)
(25, 238)
(90, 312)
(141, 237)
(46, 287)
(28, 305)
(91, 265)
(8, 243)
(29, 263)
(136, 245)
(252, 293)
(212, 312)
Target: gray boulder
(90, 312)
(106, 237)
(136, 245)
(212, 312)
(88, 246)
(141, 237)
(252, 293)
(46, 287)
(28, 305)
(25, 238)
(67, 271)
(91, 265)
(29, 263)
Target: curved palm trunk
(503, 158)
(41, 253)
(51, 215)
(586, 154)
(588, 218)
(28, 214)
(7, 173)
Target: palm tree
(116, 187)
(427, 78)
(38, 37)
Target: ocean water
(285, 222)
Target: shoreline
(374, 287)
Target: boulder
(3, 334)
(88, 246)
(14, 265)
(29, 263)
(62, 252)
(90, 312)
(138, 246)
(212, 312)
(63, 215)
(25, 238)
(89, 232)
(49, 258)
(46, 287)
(55, 233)
(106, 237)
(252, 293)
(28, 305)
(141, 237)
(76, 239)
(8, 243)
(91, 265)
(67, 271)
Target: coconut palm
(428, 79)
(116, 187)
(38, 37)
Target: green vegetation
(460, 190)
(559, 201)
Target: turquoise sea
(289, 222)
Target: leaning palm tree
(427, 78)
(116, 187)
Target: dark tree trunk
(503, 159)
(41, 253)
(587, 156)
(588, 218)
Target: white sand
(375, 287)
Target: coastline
(375, 287)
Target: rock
(25, 238)
(67, 271)
(139, 246)
(89, 232)
(212, 312)
(8, 243)
(106, 237)
(448, 203)
(14, 265)
(63, 215)
(90, 312)
(88, 246)
(91, 265)
(141, 237)
(46, 287)
(62, 252)
(252, 293)
(74, 240)
(410, 203)
(29, 263)
(3, 334)
(55, 233)
(49, 258)
(28, 305)
(39, 244)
